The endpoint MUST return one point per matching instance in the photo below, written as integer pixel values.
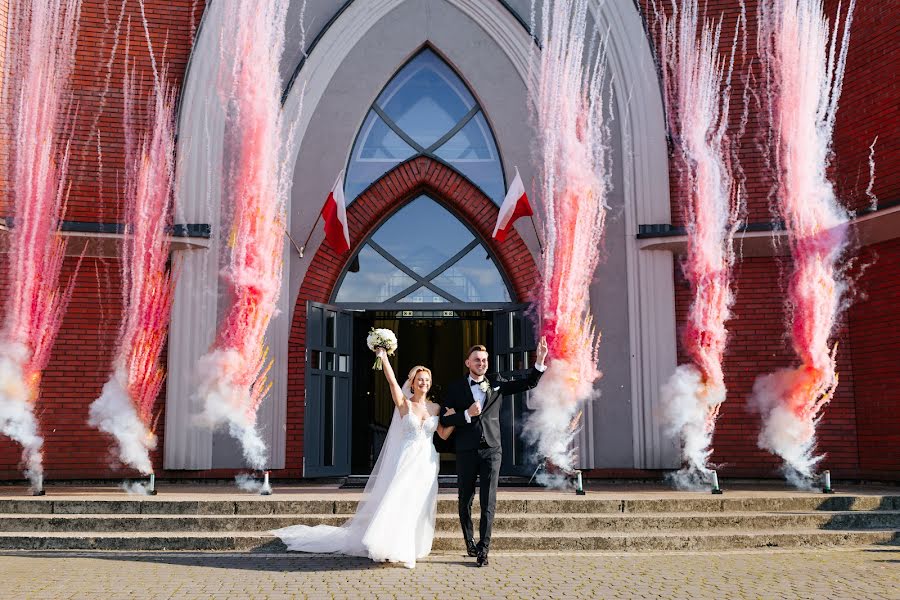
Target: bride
(395, 518)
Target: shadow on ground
(256, 560)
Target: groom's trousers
(483, 463)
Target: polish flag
(515, 205)
(335, 215)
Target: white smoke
(137, 488)
(686, 405)
(113, 413)
(783, 432)
(551, 427)
(225, 402)
(248, 483)
(17, 411)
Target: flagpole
(293, 243)
(303, 247)
(538, 235)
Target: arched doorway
(429, 278)
(424, 271)
(443, 287)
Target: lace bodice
(415, 428)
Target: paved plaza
(858, 573)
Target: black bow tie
(473, 382)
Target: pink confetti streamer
(125, 408)
(234, 373)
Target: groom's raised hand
(542, 351)
(474, 410)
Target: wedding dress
(395, 518)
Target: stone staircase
(535, 522)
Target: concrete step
(687, 540)
(622, 542)
(447, 482)
(271, 505)
(521, 523)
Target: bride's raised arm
(396, 390)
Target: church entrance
(436, 339)
(429, 277)
(348, 404)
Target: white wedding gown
(395, 518)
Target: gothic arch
(372, 207)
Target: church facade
(422, 104)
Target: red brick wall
(371, 208)
(80, 361)
(870, 105)
(758, 345)
(4, 131)
(875, 342)
(94, 194)
(78, 368)
(746, 72)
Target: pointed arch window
(426, 110)
(411, 260)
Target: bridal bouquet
(381, 338)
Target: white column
(645, 164)
(195, 307)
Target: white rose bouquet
(381, 338)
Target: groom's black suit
(478, 450)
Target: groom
(476, 400)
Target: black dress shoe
(482, 560)
(471, 548)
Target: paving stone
(860, 573)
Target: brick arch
(417, 176)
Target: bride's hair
(407, 386)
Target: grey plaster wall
(608, 418)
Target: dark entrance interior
(347, 405)
(436, 339)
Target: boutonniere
(485, 386)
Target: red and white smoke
(573, 154)
(36, 100)
(233, 374)
(125, 408)
(697, 82)
(804, 61)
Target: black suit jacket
(459, 397)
